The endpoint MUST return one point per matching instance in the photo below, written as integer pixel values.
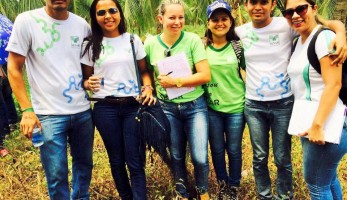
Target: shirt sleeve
(147, 51)
(198, 50)
(139, 49)
(86, 58)
(322, 43)
(20, 39)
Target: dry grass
(22, 177)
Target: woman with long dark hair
(320, 158)
(109, 71)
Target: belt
(115, 100)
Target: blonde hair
(162, 6)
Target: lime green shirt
(226, 91)
(191, 45)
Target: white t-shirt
(52, 49)
(116, 65)
(267, 53)
(307, 83)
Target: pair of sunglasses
(111, 11)
(300, 10)
(167, 52)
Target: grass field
(22, 176)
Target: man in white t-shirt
(267, 46)
(48, 40)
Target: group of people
(64, 58)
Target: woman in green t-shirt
(226, 97)
(187, 113)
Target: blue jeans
(225, 134)
(121, 135)
(58, 131)
(320, 164)
(261, 117)
(189, 122)
(5, 94)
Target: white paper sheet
(179, 67)
(304, 113)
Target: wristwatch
(178, 82)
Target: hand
(315, 135)
(28, 123)
(94, 83)
(340, 53)
(166, 81)
(147, 96)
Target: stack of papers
(303, 115)
(179, 66)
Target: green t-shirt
(226, 91)
(191, 45)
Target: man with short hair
(48, 40)
(269, 101)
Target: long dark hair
(95, 39)
(231, 34)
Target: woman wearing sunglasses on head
(320, 158)
(187, 113)
(108, 55)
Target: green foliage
(141, 15)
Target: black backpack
(314, 62)
(238, 49)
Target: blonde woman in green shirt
(187, 113)
(226, 98)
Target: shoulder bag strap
(139, 82)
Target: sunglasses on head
(167, 53)
(300, 10)
(111, 11)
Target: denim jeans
(225, 134)
(4, 128)
(189, 122)
(320, 165)
(121, 135)
(8, 99)
(58, 131)
(261, 117)
(6, 108)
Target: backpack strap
(314, 62)
(311, 51)
(238, 49)
(294, 42)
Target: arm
(332, 79)
(147, 92)
(339, 42)
(202, 76)
(15, 75)
(88, 80)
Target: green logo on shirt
(107, 51)
(274, 40)
(75, 41)
(252, 38)
(48, 28)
